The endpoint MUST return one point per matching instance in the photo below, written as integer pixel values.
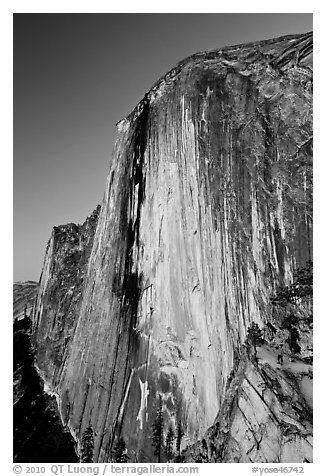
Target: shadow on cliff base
(39, 436)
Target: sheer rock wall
(207, 210)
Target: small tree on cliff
(178, 442)
(169, 443)
(157, 432)
(87, 446)
(254, 336)
(119, 452)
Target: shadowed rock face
(38, 434)
(207, 210)
(59, 298)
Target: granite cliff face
(207, 212)
(60, 292)
(266, 415)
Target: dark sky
(75, 76)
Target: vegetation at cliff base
(87, 446)
(157, 432)
(178, 442)
(290, 301)
(170, 437)
(38, 434)
(301, 287)
(254, 336)
(119, 452)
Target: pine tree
(255, 336)
(179, 438)
(119, 452)
(87, 446)
(157, 432)
(169, 444)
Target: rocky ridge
(24, 294)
